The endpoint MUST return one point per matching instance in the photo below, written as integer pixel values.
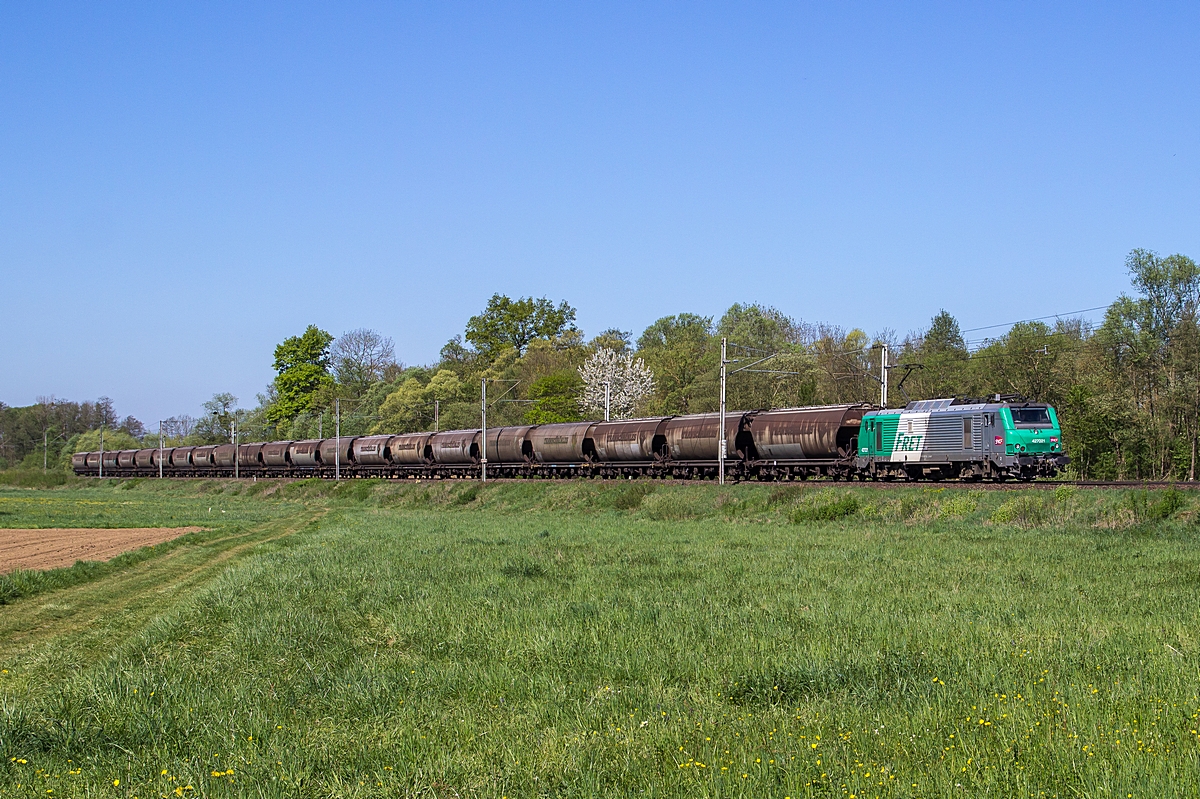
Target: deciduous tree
(302, 365)
(768, 348)
(213, 426)
(360, 359)
(627, 379)
(514, 323)
(674, 348)
(554, 398)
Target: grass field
(582, 639)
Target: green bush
(784, 495)
(1152, 506)
(467, 495)
(827, 508)
(1025, 510)
(355, 490)
(30, 478)
(631, 497)
(674, 505)
(957, 507)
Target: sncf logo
(999, 441)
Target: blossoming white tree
(628, 380)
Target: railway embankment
(1107, 506)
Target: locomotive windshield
(1030, 417)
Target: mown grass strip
(130, 503)
(63, 630)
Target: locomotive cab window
(1030, 417)
(879, 437)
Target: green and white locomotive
(996, 438)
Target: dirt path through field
(50, 548)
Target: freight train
(997, 438)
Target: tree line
(36, 435)
(1127, 389)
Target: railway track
(1008, 485)
(985, 486)
(1035, 484)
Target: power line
(834, 352)
(1046, 335)
(773, 372)
(1061, 348)
(1035, 319)
(967, 330)
(978, 344)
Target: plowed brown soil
(51, 548)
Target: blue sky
(183, 186)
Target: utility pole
(483, 459)
(436, 404)
(45, 448)
(337, 428)
(160, 448)
(102, 449)
(722, 446)
(233, 437)
(883, 382)
(607, 387)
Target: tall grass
(566, 640)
